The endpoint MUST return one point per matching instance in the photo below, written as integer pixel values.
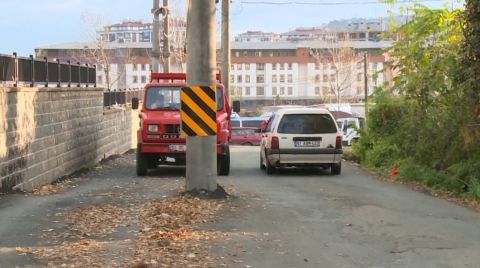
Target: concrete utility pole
(365, 79)
(166, 37)
(226, 54)
(156, 29)
(201, 58)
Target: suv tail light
(338, 142)
(275, 143)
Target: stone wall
(48, 133)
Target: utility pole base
(201, 167)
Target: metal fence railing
(121, 96)
(30, 71)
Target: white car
(301, 137)
(348, 127)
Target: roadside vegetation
(427, 126)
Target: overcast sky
(28, 24)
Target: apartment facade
(303, 73)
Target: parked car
(348, 127)
(301, 137)
(245, 136)
(255, 122)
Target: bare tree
(101, 52)
(338, 60)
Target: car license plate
(307, 143)
(177, 148)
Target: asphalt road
(296, 218)
(309, 218)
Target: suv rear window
(307, 124)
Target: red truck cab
(159, 139)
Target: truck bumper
(163, 149)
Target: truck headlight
(152, 128)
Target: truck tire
(336, 169)
(223, 163)
(142, 163)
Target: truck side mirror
(236, 106)
(135, 103)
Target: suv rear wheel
(336, 169)
(269, 167)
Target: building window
(247, 78)
(258, 53)
(290, 91)
(135, 67)
(290, 78)
(247, 66)
(260, 91)
(232, 67)
(274, 78)
(260, 79)
(332, 78)
(260, 66)
(135, 79)
(274, 91)
(282, 78)
(282, 66)
(274, 66)
(332, 66)
(144, 67)
(239, 66)
(232, 78)
(325, 78)
(239, 79)
(247, 91)
(237, 54)
(144, 79)
(317, 90)
(317, 78)
(282, 91)
(317, 66)
(289, 66)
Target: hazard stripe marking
(199, 111)
(212, 124)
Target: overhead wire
(279, 3)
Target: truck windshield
(169, 98)
(163, 98)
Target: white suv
(301, 137)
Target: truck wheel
(223, 164)
(142, 163)
(336, 169)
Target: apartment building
(304, 73)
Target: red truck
(159, 140)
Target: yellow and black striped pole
(199, 111)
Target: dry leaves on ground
(170, 236)
(95, 220)
(78, 254)
(53, 188)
